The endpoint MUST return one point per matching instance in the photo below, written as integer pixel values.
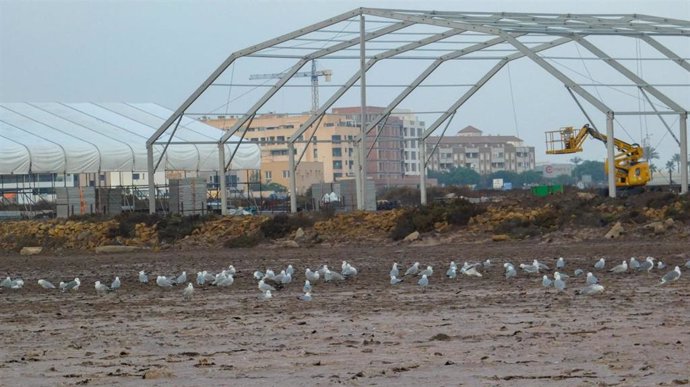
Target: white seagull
(412, 270)
(591, 289)
(601, 263)
(100, 288)
(591, 279)
(395, 272)
(143, 278)
(188, 291)
(116, 283)
(395, 280)
(424, 281)
(622, 268)
(45, 284)
(671, 276)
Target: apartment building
(327, 153)
(485, 154)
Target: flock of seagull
(269, 282)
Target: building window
(335, 138)
(316, 153)
(413, 155)
(337, 164)
(337, 175)
(286, 174)
(268, 175)
(337, 152)
(281, 138)
(135, 176)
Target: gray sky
(160, 51)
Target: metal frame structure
(466, 35)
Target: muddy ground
(468, 331)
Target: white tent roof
(107, 137)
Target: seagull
(270, 274)
(487, 264)
(562, 275)
(331, 275)
(634, 264)
(101, 288)
(646, 265)
(17, 284)
(231, 269)
(116, 283)
(322, 269)
(45, 284)
(546, 282)
(472, 272)
(412, 270)
(290, 270)
(427, 272)
(540, 265)
(687, 264)
(452, 272)
(591, 279)
(660, 265)
(259, 275)
(578, 272)
(510, 270)
(395, 280)
(224, 280)
(266, 295)
(600, 264)
(71, 285)
(671, 276)
(529, 268)
(279, 277)
(188, 291)
(287, 278)
(163, 282)
(181, 279)
(312, 275)
(560, 263)
(558, 283)
(622, 268)
(395, 272)
(143, 278)
(349, 271)
(307, 286)
(263, 286)
(424, 281)
(305, 297)
(590, 290)
(200, 279)
(6, 283)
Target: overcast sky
(160, 51)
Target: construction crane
(313, 74)
(631, 170)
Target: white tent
(106, 137)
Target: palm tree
(676, 159)
(650, 153)
(653, 168)
(670, 166)
(576, 160)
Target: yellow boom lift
(631, 171)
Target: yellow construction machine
(631, 171)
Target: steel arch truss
(477, 33)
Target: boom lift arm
(631, 171)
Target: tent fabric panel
(81, 155)
(137, 161)
(114, 155)
(14, 157)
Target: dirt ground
(467, 331)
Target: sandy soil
(468, 331)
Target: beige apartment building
(470, 148)
(331, 151)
